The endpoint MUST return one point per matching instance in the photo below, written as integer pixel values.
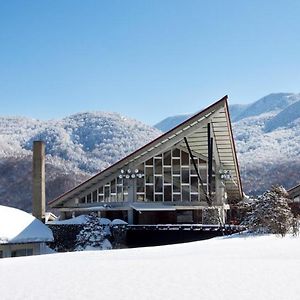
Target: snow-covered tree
(270, 213)
(92, 236)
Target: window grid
(172, 172)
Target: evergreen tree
(270, 213)
(92, 235)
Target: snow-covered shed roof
(17, 226)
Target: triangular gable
(194, 130)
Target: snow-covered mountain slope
(270, 103)
(170, 122)
(285, 118)
(76, 147)
(85, 143)
(267, 136)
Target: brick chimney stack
(38, 176)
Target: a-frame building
(177, 178)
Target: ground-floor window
(22, 252)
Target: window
(140, 185)
(169, 176)
(89, 198)
(149, 175)
(185, 216)
(194, 184)
(176, 153)
(158, 184)
(176, 184)
(1, 254)
(106, 193)
(159, 197)
(185, 189)
(113, 186)
(185, 158)
(149, 162)
(95, 196)
(22, 252)
(176, 166)
(167, 193)
(149, 192)
(167, 158)
(158, 166)
(185, 176)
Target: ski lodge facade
(175, 179)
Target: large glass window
(149, 192)
(149, 175)
(185, 175)
(176, 166)
(168, 193)
(158, 184)
(140, 185)
(167, 158)
(169, 176)
(185, 158)
(194, 184)
(176, 184)
(158, 166)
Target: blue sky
(147, 59)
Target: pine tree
(270, 213)
(92, 235)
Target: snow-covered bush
(93, 235)
(270, 213)
(211, 215)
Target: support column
(210, 159)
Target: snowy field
(264, 267)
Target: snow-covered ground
(265, 267)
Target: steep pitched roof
(194, 129)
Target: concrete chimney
(38, 176)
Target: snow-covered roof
(82, 219)
(17, 226)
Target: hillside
(267, 136)
(76, 147)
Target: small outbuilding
(21, 234)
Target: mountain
(267, 137)
(284, 118)
(76, 147)
(270, 103)
(170, 122)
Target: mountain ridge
(83, 144)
